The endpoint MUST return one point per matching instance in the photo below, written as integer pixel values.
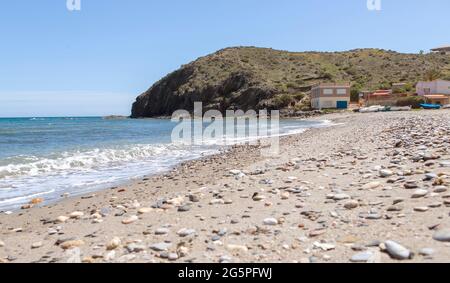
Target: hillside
(257, 78)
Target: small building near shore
(433, 87)
(437, 99)
(442, 49)
(434, 92)
(330, 96)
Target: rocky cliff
(256, 78)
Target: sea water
(49, 157)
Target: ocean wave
(86, 160)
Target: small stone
(324, 246)
(36, 245)
(270, 221)
(371, 186)
(235, 172)
(184, 208)
(186, 232)
(130, 220)
(386, 173)
(442, 235)
(421, 209)
(426, 252)
(2, 244)
(62, 219)
(113, 244)
(109, 256)
(72, 244)
(351, 204)
(362, 257)
(194, 198)
(172, 256)
(258, 197)
(238, 248)
(285, 196)
(339, 197)
(397, 251)
(411, 185)
(419, 193)
(135, 248)
(76, 215)
(216, 201)
(440, 189)
(145, 210)
(162, 231)
(160, 247)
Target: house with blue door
(330, 96)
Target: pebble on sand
(352, 204)
(145, 210)
(36, 245)
(62, 219)
(237, 248)
(72, 244)
(161, 247)
(397, 251)
(113, 244)
(371, 186)
(130, 220)
(270, 221)
(76, 215)
(442, 235)
(362, 257)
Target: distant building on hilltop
(330, 96)
(436, 92)
(442, 49)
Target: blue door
(342, 105)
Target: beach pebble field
(371, 188)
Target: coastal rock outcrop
(262, 78)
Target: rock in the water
(397, 251)
(442, 235)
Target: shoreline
(205, 198)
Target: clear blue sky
(54, 62)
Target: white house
(437, 91)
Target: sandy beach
(371, 188)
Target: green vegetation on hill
(256, 78)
